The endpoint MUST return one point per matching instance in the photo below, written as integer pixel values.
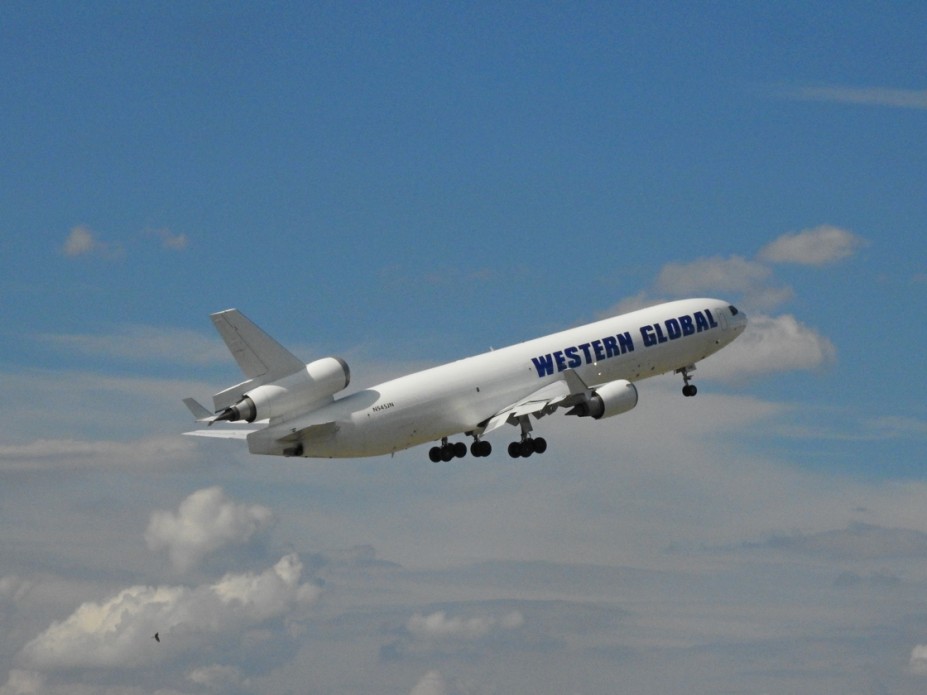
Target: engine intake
(609, 399)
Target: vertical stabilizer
(260, 357)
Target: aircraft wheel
(689, 390)
(447, 453)
(460, 449)
(539, 445)
(434, 453)
(485, 449)
(515, 450)
(527, 447)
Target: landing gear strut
(688, 390)
(528, 444)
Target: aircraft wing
(544, 401)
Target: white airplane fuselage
(460, 397)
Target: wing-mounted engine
(294, 394)
(612, 398)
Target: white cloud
(205, 522)
(773, 344)
(750, 279)
(218, 678)
(117, 633)
(869, 96)
(82, 241)
(734, 274)
(818, 246)
(432, 683)
(169, 240)
(439, 626)
(918, 661)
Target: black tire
(540, 445)
(460, 449)
(447, 453)
(515, 450)
(434, 453)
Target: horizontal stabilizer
(224, 433)
(258, 355)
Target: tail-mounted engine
(612, 398)
(318, 382)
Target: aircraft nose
(738, 319)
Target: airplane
(288, 408)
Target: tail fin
(259, 356)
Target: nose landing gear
(688, 390)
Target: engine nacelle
(612, 398)
(320, 380)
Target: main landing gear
(528, 444)
(448, 451)
(524, 448)
(688, 390)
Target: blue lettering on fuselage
(588, 353)
(610, 346)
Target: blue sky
(408, 184)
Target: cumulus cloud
(818, 246)
(117, 632)
(205, 522)
(773, 344)
(750, 279)
(734, 274)
(82, 241)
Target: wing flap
(541, 402)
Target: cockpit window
(733, 309)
